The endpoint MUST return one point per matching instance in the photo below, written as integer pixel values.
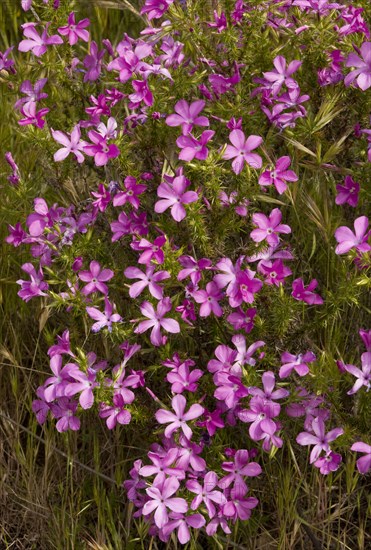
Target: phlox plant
(198, 231)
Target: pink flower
(85, 383)
(348, 193)
(182, 524)
(32, 116)
(155, 8)
(36, 43)
(329, 463)
(363, 376)
(115, 413)
(242, 320)
(180, 418)
(269, 227)
(187, 116)
(74, 30)
(183, 379)
(160, 501)
(363, 463)
(362, 73)
(279, 175)
(175, 196)
(33, 93)
(348, 240)
(149, 278)
(72, 145)
(100, 149)
(306, 294)
(95, 278)
(238, 469)
(209, 300)
(319, 439)
(142, 92)
(151, 251)
(296, 362)
(240, 151)
(103, 319)
(194, 148)
(157, 320)
(206, 493)
(35, 286)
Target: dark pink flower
(149, 278)
(100, 149)
(209, 300)
(103, 319)
(32, 116)
(74, 30)
(93, 62)
(282, 74)
(206, 493)
(116, 413)
(269, 227)
(133, 190)
(279, 175)
(348, 193)
(306, 294)
(298, 363)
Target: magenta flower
(116, 413)
(206, 493)
(95, 277)
(363, 375)
(157, 320)
(187, 116)
(279, 175)
(5, 62)
(149, 278)
(366, 338)
(130, 61)
(160, 501)
(209, 300)
(36, 43)
(363, 463)
(329, 463)
(212, 421)
(230, 389)
(72, 144)
(142, 92)
(151, 251)
(306, 294)
(238, 469)
(100, 149)
(348, 193)
(17, 235)
(348, 240)
(179, 419)
(74, 30)
(242, 320)
(282, 74)
(275, 273)
(319, 439)
(260, 415)
(62, 347)
(133, 190)
(35, 286)
(103, 198)
(240, 151)
(193, 148)
(192, 268)
(269, 227)
(103, 319)
(362, 73)
(32, 116)
(155, 8)
(161, 465)
(93, 62)
(298, 363)
(174, 196)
